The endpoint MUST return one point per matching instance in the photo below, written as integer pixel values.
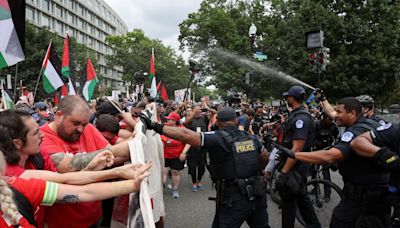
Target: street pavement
(193, 209)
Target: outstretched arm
(321, 156)
(182, 134)
(68, 162)
(83, 177)
(363, 145)
(103, 190)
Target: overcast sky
(159, 19)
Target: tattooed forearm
(70, 199)
(80, 160)
(57, 158)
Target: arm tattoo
(81, 160)
(69, 199)
(57, 158)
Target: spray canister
(311, 97)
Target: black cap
(226, 114)
(107, 108)
(296, 92)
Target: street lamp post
(253, 37)
(253, 45)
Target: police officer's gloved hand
(285, 151)
(387, 159)
(150, 124)
(320, 95)
(281, 179)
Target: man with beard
(71, 142)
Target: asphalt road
(193, 209)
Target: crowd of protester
(44, 146)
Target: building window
(45, 21)
(70, 18)
(59, 12)
(46, 5)
(79, 9)
(59, 27)
(89, 41)
(30, 14)
(70, 4)
(80, 23)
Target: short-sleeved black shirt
(299, 127)
(354, 168)
(387, 135)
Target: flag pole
(40, 73)
(37, 83)
(15, 82)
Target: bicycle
(324, 195)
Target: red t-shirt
(33, 190)
(16, 170)
(172, 148)
(73, 215)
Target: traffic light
(323, 58)
(313, 62)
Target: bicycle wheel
(324, 196)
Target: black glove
(285, 151)
(320, 95)
(150, 124)
(387, 159)
(281, 179)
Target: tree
(132, 52)
(362, 36)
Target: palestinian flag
(51, 71)
(91, 81)
(11, 51)
(7, 101)
(152, 76)
(65, 66)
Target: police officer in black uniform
(365, 201)
(299, 135)
(236, 160)
(383, 145)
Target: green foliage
(36, 42)
(132, 52)
(363, 37)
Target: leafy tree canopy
(363, 37)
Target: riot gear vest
(362, 170)
(287, 135)
(243, 159)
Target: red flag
(162, 91)
(158, 86)
(64, 91)
(56, 98)
(65, 58)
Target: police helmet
(366, 101)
